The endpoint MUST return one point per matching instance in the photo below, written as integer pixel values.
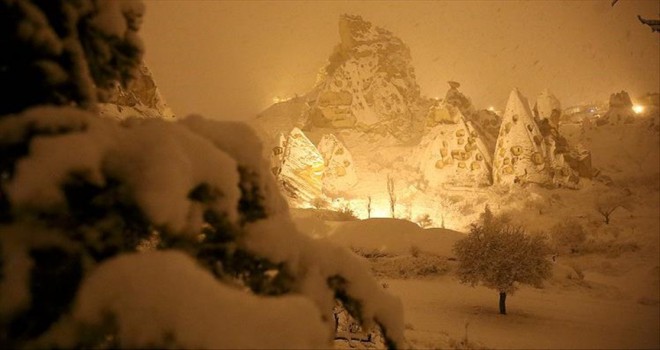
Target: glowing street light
(638, 109)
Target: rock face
(369, 83)
(339, 175)
(456, 98)
(531, 152)
(453, 153)
(580, 161)
(442, 113)
(487, 123)
(547, 107)
(141, 98)
(369, 120)
(620, 110)
(520, 150)
(299, 167)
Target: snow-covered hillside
(605, 299)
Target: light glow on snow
(377, 211)
(278, 99)
(380, 212)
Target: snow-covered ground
(556, 317)
(615, 305)
(602, 300)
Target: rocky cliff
(520, 150)
(547, 107)
(369, 84)
(620, 110)
(531, 150)
(365, 120)
(141, 98)
(453, 153)
(339, 175)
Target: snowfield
(551, 318)
(593, 301)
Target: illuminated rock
(301, 168)
(368, 84)
(547, 106)
(453, 153)
(333, 109)
(279, 119)
(141, 98)
(518, 146)
(531, 152)
(339, 175)
(277, 156)
(442, 113)
(620, 110)
(487, 123)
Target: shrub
(607, 203)
(347, 214)
(424, 221)
(568, 237)
(414, 251)
(319, 203)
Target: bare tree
(369, 207)
(568, 237)
(606, 204)
(390, 192)
(424, 221)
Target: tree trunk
(503, 303)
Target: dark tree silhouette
(654, 24)
(66, 52)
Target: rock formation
(442, 113)
(531, 152)
(453, 153)
(141, 98)
(620, 110)
(547, 107)
(369, 83)
(367, 97)
(487, 124)
(299, 167)
(457, 99)
(520, 149)
(339, 175)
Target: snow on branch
(82, 195)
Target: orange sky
(229, 59)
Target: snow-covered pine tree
(147, 233)
(66, 52)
